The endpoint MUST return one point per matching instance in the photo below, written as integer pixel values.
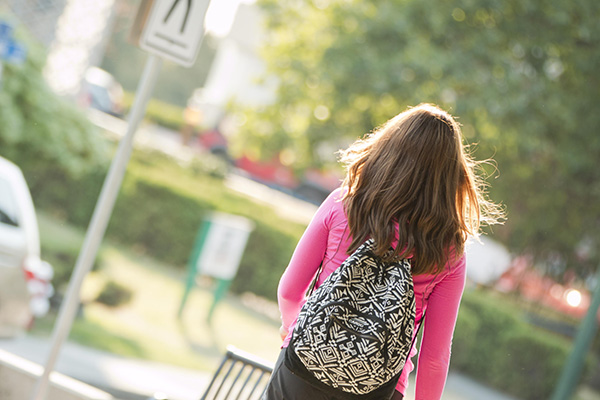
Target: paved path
(129, 379)
(122, 377)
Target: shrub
(63, 262)
(494, 344)
(68, 197)
(41, 129)
(114, 294)
(160, 112)
(536, 357)
(494, 322)
(267, 254)
(465, 336)
(157, 220)
(164, 223)
(160, 209)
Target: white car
(100, 90)
(25, 280)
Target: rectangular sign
(222, 253)
(224, 245)
(174, 30)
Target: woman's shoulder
(457, 262)
(337, 195)
(332, 209)
(334, 201)
(454, 270)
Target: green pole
(221, 288)
(192, 266)
(587, 331)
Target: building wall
(238, 73)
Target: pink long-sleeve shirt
(326, 240)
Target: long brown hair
(415, 172)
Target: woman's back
(326, 241)
(409, 185)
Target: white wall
(237, 68)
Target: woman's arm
(303, 265)
(440, 320)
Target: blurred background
(252, 129)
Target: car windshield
(100, 98)
(8, 204)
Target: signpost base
(192, 264)
(217, 252)
(221, 287)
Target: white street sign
(175, 29)
(224, 245)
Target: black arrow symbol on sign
(187, 13)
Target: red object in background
(212, 139)
(29, 275)
(328, 180)
(534, 286)
(270, 172)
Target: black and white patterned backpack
(355, 331)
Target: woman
(410, 184)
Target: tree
(38, 129)
(521, 75)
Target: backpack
(354, 333)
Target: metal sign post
(97, 227)
(165, 31)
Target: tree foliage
(521, 76)
(40, 130)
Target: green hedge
(496, 346)
(161, 113)
(159, 210)
(38, 128)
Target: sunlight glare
(573, 297)
(220, 16)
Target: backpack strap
(313, 284)
(414, 339)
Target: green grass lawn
(147, 327)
